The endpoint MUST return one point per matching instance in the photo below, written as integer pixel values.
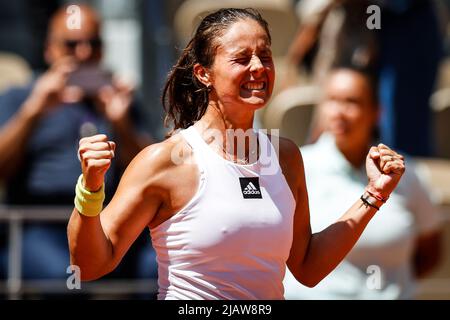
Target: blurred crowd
(375, 84)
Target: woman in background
(402, 243)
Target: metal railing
(14, 287)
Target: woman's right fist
(95, 154)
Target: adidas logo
(250, 188)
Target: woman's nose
(256, 65)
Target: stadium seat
(440, 104)
(291, 111)
(14, 71)
(279, 14)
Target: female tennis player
(224, 220)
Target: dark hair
(371, 75)
(367, 72)
(361, 59)
(184, 98)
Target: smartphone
(90, 79)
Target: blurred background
(142, 39)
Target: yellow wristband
(88, 203)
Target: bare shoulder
(163, 154)
(289, 150)
(159, 168)
(158, 159)
(291, 162)
(289, 154)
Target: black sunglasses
(95, 43)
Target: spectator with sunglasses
(41, 124)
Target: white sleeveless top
(232, 239)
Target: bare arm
(301, 45)
(308, 33)
(97, 244)
(303, 42)
(314, 256)
(323, 251)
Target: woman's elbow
(307, 279)
(90, 269)
(309, 282)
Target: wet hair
(185, 98)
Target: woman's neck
(215, 117)
(232, 137)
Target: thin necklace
(246, 159)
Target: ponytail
(184, 98)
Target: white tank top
(232, 239)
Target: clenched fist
(384, 169)
(95, 154)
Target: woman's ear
(202, 74)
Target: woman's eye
(242, 60)
(266, 59)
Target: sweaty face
(348, 107)
(243, 71)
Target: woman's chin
(255, 103)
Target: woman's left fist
(384, 169)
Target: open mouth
(260, 85)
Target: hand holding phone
(90, 79)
